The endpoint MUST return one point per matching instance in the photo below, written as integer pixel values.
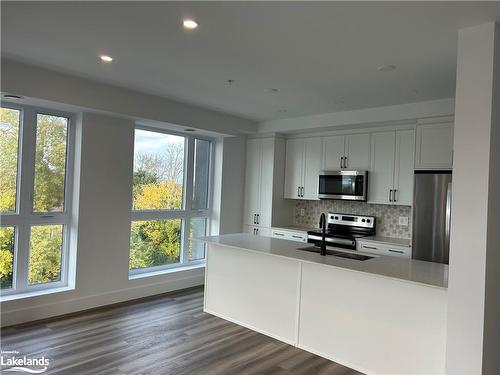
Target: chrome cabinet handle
(258, 218)
(297, 237)
(345, 161)
(369, 247)
(278, 234)
(298, 191)
(390, 195)
(254, 218)
(302, 191)
(341, 162)
(394, 195)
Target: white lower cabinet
(257, 291)
(257, 231)
(289, 235)
(373, 324)
(380, 248)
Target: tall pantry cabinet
(264, 178)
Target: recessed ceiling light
(230, 82)
(189, 130)
(272, 90)
(106, 58)
(190, 24)
(386, 68)
(11, 96)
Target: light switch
(403, 221)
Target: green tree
(50, 163)
(6, 256)
(9, 138)
(155, 242)
(50, 169)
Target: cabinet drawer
(292, 236)
(384, 249)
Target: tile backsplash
(387, 215)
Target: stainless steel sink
(341, 254)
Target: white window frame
(25, 217)
(186, 213)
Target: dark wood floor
(165, 335)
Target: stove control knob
(367, 220)
(363, 220)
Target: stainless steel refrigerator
(432, 216)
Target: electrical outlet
(302, 212)
(403, 221)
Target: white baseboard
(67, 306)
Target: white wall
(233, 185)
(365, 117)
(51, 86)
(473, 330)
(491, 341)
(104, 186)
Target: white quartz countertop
(295, 228)
(386, 240)
(416, 271)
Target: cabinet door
(434, 146)
(333, 151)
(403, 171)
(294, 167)
(266, 183)
(381, 176)
(312, 166)
(358, 151)
(252, 180)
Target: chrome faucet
(322, 225)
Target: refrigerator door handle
(448, 216)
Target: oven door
(348, 185)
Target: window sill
(143, 274)
(36, 293)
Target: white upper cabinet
(381, 176)
(303, 163)
(434, 146)
(259, 182)
(403, 168)
(357, 152)
(333, 152)
(391, 177)
(312, 167)
(294, 168)
(346, 152)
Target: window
(171, 200)
(35, 198)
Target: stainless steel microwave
(345, 185)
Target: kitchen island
(384, 315)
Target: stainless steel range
(343, 229)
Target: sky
(147, 142)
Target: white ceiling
(323, 57)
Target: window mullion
(27, 167)
(188, 183)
